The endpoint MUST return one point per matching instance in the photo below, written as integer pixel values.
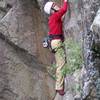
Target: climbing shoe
(61, 92)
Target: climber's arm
(62, 10)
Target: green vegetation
(52, 70)
(73, 57)
(76, 88)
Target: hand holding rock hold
(65, 0)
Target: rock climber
(55, 25)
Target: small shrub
(74, 56)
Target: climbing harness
(47, 42)
(57, 36)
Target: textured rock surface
(20, 78)
(23, 26)
(3, 4)
(90, 79)
(77, 24)
(22, 71)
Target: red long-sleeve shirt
(55, 22)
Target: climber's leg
(60, 62)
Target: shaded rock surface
(23, 26)
(21, 78)
(23, 61)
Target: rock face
(21, 78)
(82, 14)
(91, 54)
(77, 25)
(23, 61)
(23, 26)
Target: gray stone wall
(91, 79)
(23, 61)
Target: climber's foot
(61, 92)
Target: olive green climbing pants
(60, 62)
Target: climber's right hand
(65, 0)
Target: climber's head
(51, 7)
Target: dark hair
(54, 9)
